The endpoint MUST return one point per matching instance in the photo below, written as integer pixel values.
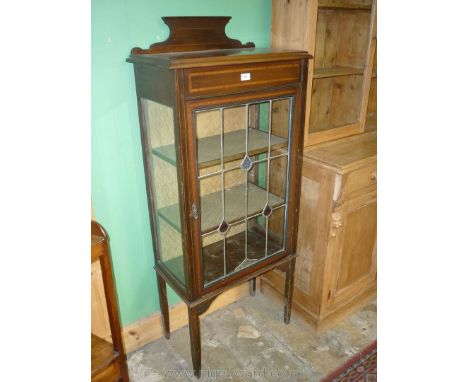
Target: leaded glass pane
(276, 227)
(243, 167)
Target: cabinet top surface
(344, 153)
(179, 60)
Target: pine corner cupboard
(222, 135)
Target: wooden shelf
(209, 148)
(333, 133)
(337, 71)
(345, 7)
(331, 127)
(102, 354)
(211, 214)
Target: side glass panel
(159, 121)
(243, 172)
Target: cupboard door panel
(354, 229)
(358, 245)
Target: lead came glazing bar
(204, 176)
(235, 222)
(246, 179)
(285, 223)
(267, 180)
(254, 162)
(222, 187)
(247, 164)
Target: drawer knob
(374, 175)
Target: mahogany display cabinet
(222, 135)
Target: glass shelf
(234, 147)
(235, 197)
(336, 71)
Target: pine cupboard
(336, 263)
(336, 271)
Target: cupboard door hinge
(194, 211)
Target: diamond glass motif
(267, 211)
(223, 227)
(247, 163)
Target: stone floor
(248, 340)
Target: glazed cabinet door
(242, 148)
(352, 249)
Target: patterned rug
(361, 368)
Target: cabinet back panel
(326, 40)
(341, 39)
(335, 102)
(354, 39)
(321, 104)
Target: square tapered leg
(195, 345)
(288, 290)
(163, 305)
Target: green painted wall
(118, 190)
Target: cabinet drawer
(358, 181)
(235, 78)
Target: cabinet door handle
(373, 175)
(337, 222)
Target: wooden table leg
(194, 327)
(163, 305)
(288, 290)
(252, 286)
